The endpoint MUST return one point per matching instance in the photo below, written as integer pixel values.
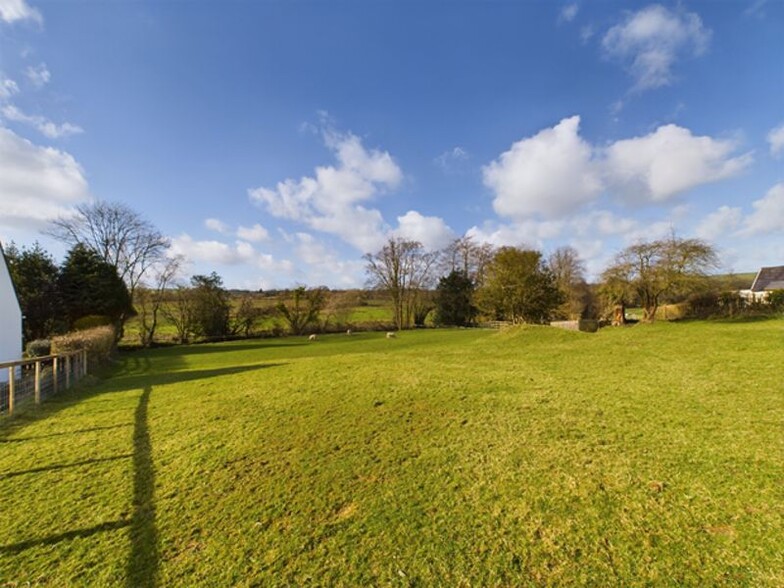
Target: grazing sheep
(391, 335)
(312, 338)
(348, 332)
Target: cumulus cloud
(37, 184)
(39, 75)
(255, 233)
(325, 266)
(217, 225)
(330, 200)
(650, 41)
(218, 252)
(719, 223)
(554, 173)
(669, 161)
(43, 125)
(768, 215)
(431, 231)
(8, 88)
(551, 173)
(776, 141)
(17, 10)
(568, 12)
(530, 233)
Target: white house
(10, 318)
(767, 280)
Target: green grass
(651, 455)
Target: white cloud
(16, 10)
(255, 233)
(39, 76)
(768, 215)
(431, 231)
(602, 222)
(650, 41)
(325, 266)
(551, 173)
(40, 123)
(776, 141)
(669, 161)
(218, 252)
(37, 184)
(555, 173)
(528, 233)
(216, 225)
(719, 223)
(451, 160)
(330, 200)
(568, 12)
(8, 88)
(587, 32)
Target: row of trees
(56, 298)
(117, 266)
(469, 278)
(521, 285)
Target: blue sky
(276, 142)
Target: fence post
(11, 383)
(55, 383)
(67, 372)
(84, 362)
(38, 382)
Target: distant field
(642, 456)
(375, 310)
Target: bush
(91, 321)
(98, 341)
(776, 300)
(39, 348)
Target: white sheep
(348, 332)
(391, 335)
(312, 337)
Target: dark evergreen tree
(35, 274)
(90, 286)
(454, 300)
(210, 306)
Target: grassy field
(650, 455)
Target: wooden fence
(34, 380)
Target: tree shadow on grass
(122, 383)
(142, 567)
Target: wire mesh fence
(32, 381)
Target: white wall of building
(10, 320)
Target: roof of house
(769, 278)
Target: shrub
(776, 300)
(98, 341)
(91, 321)
(39, 348)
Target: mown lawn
(651, 455)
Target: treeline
(118, 266)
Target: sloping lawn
(651, 455)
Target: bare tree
(181, 313)
(403, 269)
(302, 307)
(468, 257)
(148, 299)
(118, 234)
(569, 272)
(651, 270)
